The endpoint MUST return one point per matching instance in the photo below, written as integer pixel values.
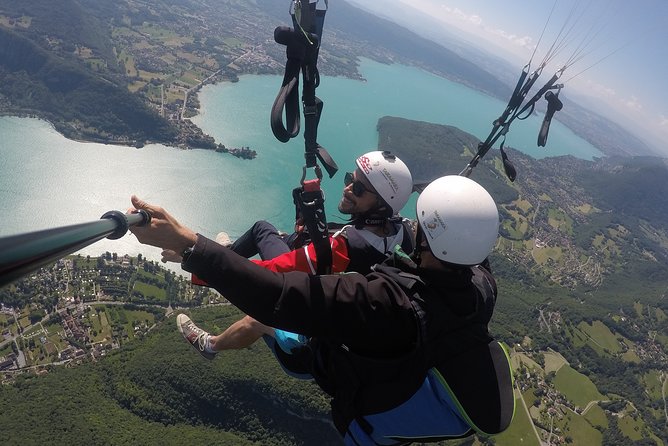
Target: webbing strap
(302, 47)
(310, 205)
(302, 43)
(554, 104)
(288, 95)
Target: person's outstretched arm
(346, 307)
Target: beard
(345, 206)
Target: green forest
(160, 391)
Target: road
(664, 384)
(526, 409)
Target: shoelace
(201, 341)
(201, 335)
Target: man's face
(358, 195)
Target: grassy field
(631, 356)
(652, 383)
(529, 397)
(596, 416)
(576, 387)
(542, 255)
(558, 219)
(139, 317)
(128, 61)
(579, 430)
(100, 324)
(631, 427)
(660, 315)
(606, 246)
(6, 350)
(517, 227)
(554, 361)
(520, 431)
(24, 322)
(663, 339)
(150, 291)
(518, 359)
(601, 335)
(585, 209)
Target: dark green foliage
(433, 150)
(35, 316)
(638, 187)
(160, 391)
(66, 407)
(67, 23)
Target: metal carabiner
(316, 169)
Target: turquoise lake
(47, 180)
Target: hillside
(157, 390)
(128, 72)
(582, 224)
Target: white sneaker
(224, 239)
(194, 335)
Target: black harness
(302, 43)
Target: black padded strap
(554, 104)
(310, 204)
(302, 47)
(288, 95)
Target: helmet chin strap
(374, 217)
(417, 253)
(368, 220)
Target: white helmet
(459, 220)
(389, 176)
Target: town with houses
(79, 308)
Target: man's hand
(164, 231)
(170, 256)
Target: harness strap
(288, 95)
(302, 43)
(302, 47)
(310, 206)
(554, 104)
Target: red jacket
(351, 251)
(302, 259)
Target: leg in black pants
(262, 238)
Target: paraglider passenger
(373, 195)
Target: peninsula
(129, 72)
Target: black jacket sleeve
(371, 313)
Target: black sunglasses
(358, 187)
